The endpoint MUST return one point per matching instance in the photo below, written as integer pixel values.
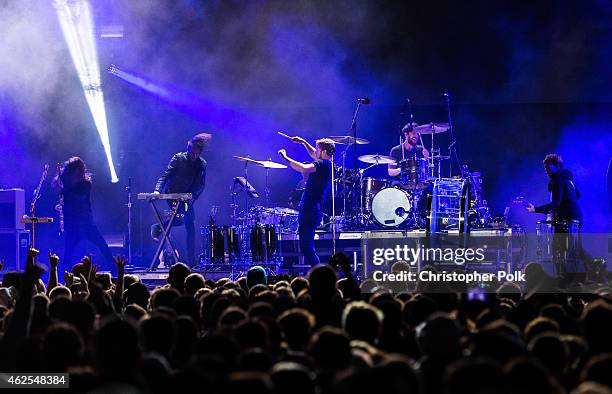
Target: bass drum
(390, 207)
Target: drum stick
(284, 135)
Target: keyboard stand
(165, 235)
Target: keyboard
(165, 196)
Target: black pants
(87, 231)
(309, 218)
(189, 222)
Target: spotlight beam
(76, 21)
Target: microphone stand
(354, 130)
(128, 189)
(453, 140)
(33, 219)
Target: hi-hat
(376, 159)
(348, 139)
(261, 163)
(439, 157)
(432, 128)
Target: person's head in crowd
(186, 305)
(475, 375)
(252, 334)
(201, 292)
(59, 308)
(551, 351)
(137, 293)
(232, 316)
(81, 314)
(598, 369)
(293, 377)
(540, 325)
(330, 349)
(596, 323)
(255, 360)
(250, 382)
(591, 388)
(297, 325)
(11, 279)
(158, 333)
(256, 275)
(60, 290)
(193, 283)
(129, 279)
(117, 350)
(176, 276)
(527, 375)
(362, 321)
(322, 282)
(510, 290)
(186, 338)
(154, 371)
(298, 284)
(261, 309)
(417, 309)
(163, 297)
(438, 337)
(135, 312)
(104, 279)
(62, 347)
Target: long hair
(72, 171)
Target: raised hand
(68, 278)
(282, 153)
(298, 140)
(53, 259)
(120, 261)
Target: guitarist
(186, 173)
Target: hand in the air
(120, 261)
(298, 140)
(530, 208)
(53, 259)
(282, 153)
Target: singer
(74, 181)
(320, 172)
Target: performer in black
(409, 149)
(319, 176)
(74, 181)
(566, 216)
(186, 173)
(563, 192)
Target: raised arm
(53, 262)
(312, 152)
(296, 165)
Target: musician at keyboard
(186, 173)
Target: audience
(267, 333)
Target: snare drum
(390, 207)
(369, 187)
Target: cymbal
(261, 163)
(439, 157)
(432, 128)
(285, 211)
(270, 164)
(348, 139)
(376, 159)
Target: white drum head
(390, 207)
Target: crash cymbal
(270, 164)
(348, 139)
(285, 211)
(247, 159)
(432, 128)
(261, 163)
(376, 159)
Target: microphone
(364, 101)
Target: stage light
(76, 21)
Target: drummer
(409, 149)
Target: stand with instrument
(177, 199)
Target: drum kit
(420, 198)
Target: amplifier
(12, 209)
(14, 248)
